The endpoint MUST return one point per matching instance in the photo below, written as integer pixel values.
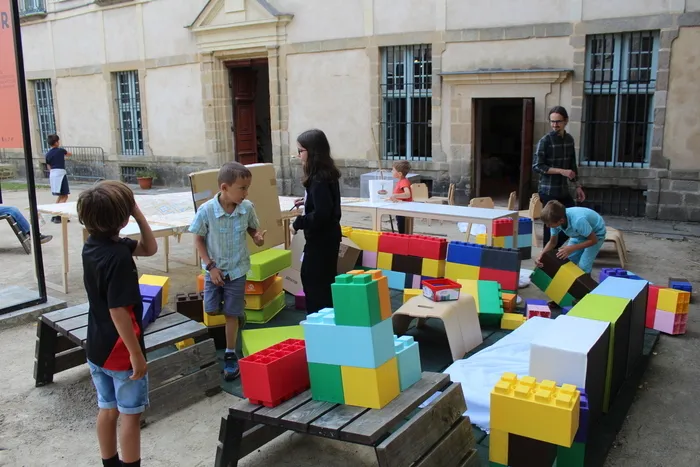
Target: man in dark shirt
(58, 178)
(555, 162)
(115, 347)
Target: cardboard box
(348, 254)
(205, 186)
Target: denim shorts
(228, 299)
(116, 391)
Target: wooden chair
(419, 192)
(23, 240)
(615, 237)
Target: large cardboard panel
(262, 193)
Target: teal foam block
(397, 280)
(524, 240)
(356, 346)
(408, 358)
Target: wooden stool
(615, 236)
(460, 318)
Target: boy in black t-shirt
(115, 347)
(58, 178)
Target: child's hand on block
(259, 238)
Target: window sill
(110, 2)
(34, 16)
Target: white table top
(447, 210)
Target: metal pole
(27, 143)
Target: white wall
(692, 5)
(175, 115)
(462, 14)
(122, 34)
(599, 9)
(38, 47)
(552, 52)
(393, 17)
(331, 91)
(165, 31)
(79, 41)
(83, 114)
(316, 20)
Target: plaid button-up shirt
(226, 235)
(558, 152)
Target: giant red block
(507, 279)
(424, 246)
(503, 227)
(275, 374)
(394, 243)
(652, 301)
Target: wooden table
(174, 379)
(439, 435)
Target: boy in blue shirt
(584, 227)
(220, 228)
(56, 163)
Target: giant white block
(574, 351)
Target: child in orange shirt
(402, 192)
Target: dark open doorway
(250, 91)
(503, 149)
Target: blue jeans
(116, 391)
(17, 216)
(584, 258)
(228, 299)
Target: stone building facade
(158, 83)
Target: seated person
(584, 227)
(22, 223)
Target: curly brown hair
(105, 208)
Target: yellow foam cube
(481, 239)
(159, 281)
(184, 344)
(212, 321)
(367, 240)
(258, 302)
(470, 287)
(512, 321)
(457, 271)
(433, 267)
(673, 301)
(499, 242)
(498, 447)
(371, 387)
(346, 230)
(410, 293)
(541, 411)
(384, 260)
(562, 281)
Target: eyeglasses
(556, 121)
(301, 150)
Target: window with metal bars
(46, 118)
(406, 102)
(618, 107)
(129, 112)
(31, 7)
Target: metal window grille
(43, 93)
(87, 163)
(129, 108)
(31, 7)
(618, 108)
(407, 102)
(128, 173)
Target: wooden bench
(438, 435)
(175, 379)
(24, 241)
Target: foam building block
(393, 243)
(366, 240)
(617, 272)
(528, 452)
(617, 312)
(273, 375)
(671, 314)
(574, 351)
(562, 280)
(147, 313)
(487, 296)
(154, 295)
(426, 247)
(356, 300)
(652, 301)
(300, 300)
(267, 263)
(213, 321)
(584, 422)
(326, 383)
(637, 291)
(255, 340)
(383, 290)
(258, 302)
(159, 281)
(542, 411)
(190, 305)
(542, 311)
(408, 359)
(258, 287)
(671, 323)
(371, 387)
(512, 321)
(357, 346)
(369, 259)
(510, 302)
(268, 312)
(410, 293)
(200, 282)
(681, 284)
(472, 261)
(673, 301)
(406, 264)
(184, 344)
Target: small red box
(396, 244)
(441, 290)
(428, 247)
(503, 227)
(275, 374)
(507, 279)
(542, 311)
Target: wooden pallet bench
(24, 241)
(175, 379)
(438, 435)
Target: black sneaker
(231, 369)
(56, 219)
(45, 238)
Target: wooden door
(525, 186)
(477, 117)
(243, 84)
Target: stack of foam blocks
(404, 259)
(488, 299)
(477, 262)
(154, 294)
(502, 231)
(561, 280)
(353, 356)
(264, 296)
(667, 310)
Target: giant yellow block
(512, 321)
(184, 344)
(371, 387)
(433, 267)
(456, 271)
(384, 260)
(410, 293)
(562, 281)
(499, 242)
(159, 281)
(471, 287)
(366, 239)
(258, 302)
(346, 230)
(498, 447)
(673, 301)
(540, 411)
(481, 239)
(212, 321)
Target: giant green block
(356, 300)
(326, 383)
(540, 279)
(617, 312)
(267, 263)
(255, 340)
(571, 457)
(490, 303)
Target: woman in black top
(321, 220)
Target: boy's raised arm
(147, 244)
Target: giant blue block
(509, 242)
(397, 280)
(148, 314)
(524, 226)
(620, 287)
(408, 358)
(524, 240)
(356, 346)
(152, 294)
(464, 253)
